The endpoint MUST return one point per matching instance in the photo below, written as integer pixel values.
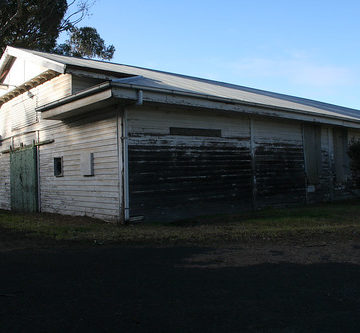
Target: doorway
(23, 180)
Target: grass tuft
(340, 220)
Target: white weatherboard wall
(96, 196)
(19, 114)
(18, 120)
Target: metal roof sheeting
(182, 83)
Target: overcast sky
(297, 47)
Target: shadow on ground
(150, 290)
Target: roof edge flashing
(226, 100)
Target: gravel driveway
(238, 288)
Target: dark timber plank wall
(354, 136)
(279, 174)
(324, 190)
(177, 176)
(174, 176)
(279, 163)
(175, 179)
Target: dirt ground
(48, 286)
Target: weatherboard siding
(17, 115)
(354, 136)
(325, 191)
(96, 196)
(5, 181)
(80, 83)
(279, 162)
(322, 190)
(19, 121)
(177, 176)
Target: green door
(23, 180)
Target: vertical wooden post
(38, 170)
(118, 117)
(126, 165)
(123, 173)
(123, 184)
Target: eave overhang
(26, 86)
(128, 94)
(83, 102)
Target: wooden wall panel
(80, 83)
(174, 176)
(5, 181)
(354, 136)
(96, 196)
(279, 163)
(19, 113)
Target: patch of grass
(340, 220)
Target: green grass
(339, 220)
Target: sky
(303, 48)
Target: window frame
(57, 172)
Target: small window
(195, 131)
(58, 167)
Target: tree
(86, 42)
(36, 24)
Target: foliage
(34, 24)
(354, 154)
(86, 42)
(37, 24)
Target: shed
(118, 142)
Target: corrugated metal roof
(177, 82)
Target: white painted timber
(4, 181)
(80, 83)
(21, 71)
(157, 122)
(87, 163)
(74, 194)
(19, 113)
